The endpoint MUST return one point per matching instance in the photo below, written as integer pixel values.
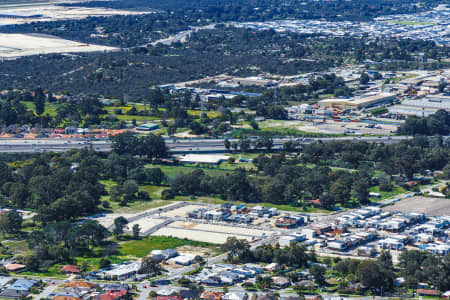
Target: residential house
(71, 292)
(235, 296)
(428, 292)
(280, 282)
(11, 267)
(20, 288)
(265, 297)
(66, 298)
(169, 298)
(83, 285)
(72, 269)
(211, 295)
(189, 294)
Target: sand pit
(17, 45)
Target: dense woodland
(239, 52)
(263, 10)
(283, 180)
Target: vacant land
(143, 247)
(43, 12)
(18, 45)
(419, 204)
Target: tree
(340, 191)
(10, 222)
(385, 260)
(136, 230)
(104, 263)
(237, 248)
(227, 144)
(327, 201)
(244, 144)
(264, 281)
(150, 266)
(364, 79)
(152, 146)
(125, 143)
(155, 175)
(39, 101)
(130, 188)
(119, 224)
(360, 190)
(372, 276)
(319, 273)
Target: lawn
(137, 205)
(143, 247)
(50, 108)
(386, 195)
(172, 171)
(18, 247)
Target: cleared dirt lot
(145, 223)
(27, 13)
(221, 229)
(419, 204)
(17, 45)
(182, 211)
(197, 235)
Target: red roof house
(70, 269)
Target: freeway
(217, 145)
(175, 145)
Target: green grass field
(172, 171)
(143, 247)
(50, 108)
(386, 195)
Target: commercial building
(148, 127)
(203, 159)
(422, 107)
(363, 101)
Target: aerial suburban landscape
(224, 150)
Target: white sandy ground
(44, 13)
(220, 228)
(202, 236)
(182, 211)
(17, 45)
(145, 223)
(108, 219)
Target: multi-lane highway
(175, 145)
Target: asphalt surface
(175, 145)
